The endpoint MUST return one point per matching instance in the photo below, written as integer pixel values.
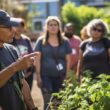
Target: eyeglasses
(8, 27)
(98, 30)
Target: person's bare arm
(27, 95)
(38, 71)
(109, 54)
(22, 63)
(67, 65)
(79, 66)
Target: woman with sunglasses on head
(95, 51)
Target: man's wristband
(35, 108)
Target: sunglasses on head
(98, 30)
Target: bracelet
(35, 108)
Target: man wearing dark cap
(14, 91)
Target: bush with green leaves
(81, 15)
(91, 94)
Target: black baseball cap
(7, 20)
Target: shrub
(81, 15)
(91, 94)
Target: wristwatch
(35, 108)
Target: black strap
(13, 56)
(17, 88)
(55, 54)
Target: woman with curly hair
(95, 51)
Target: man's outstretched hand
(25, 61)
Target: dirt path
(37, 96)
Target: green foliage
(88, 13)
(70, 14)
(68, 11)
(91, 94)
(81, 15)
(106, 18)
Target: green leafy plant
(91, 94)
(81, 15)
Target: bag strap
(15, 84)
(13, 56)
(15, 43)
(18, 91)
(55, 55)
